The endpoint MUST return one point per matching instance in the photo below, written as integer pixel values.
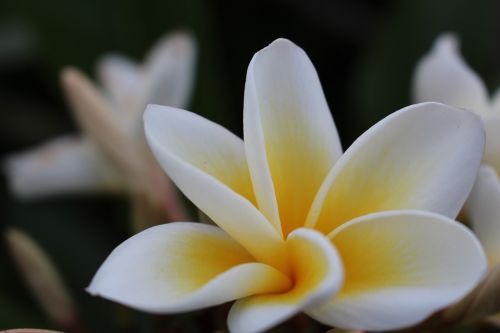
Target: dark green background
(364, 52)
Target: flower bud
(42, 278)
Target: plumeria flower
(360, 240)
(102, 159)
(111, 155)
(443, 76)
(483, 207)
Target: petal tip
(91, 290)
(279, 45)
(153, 111)
(447, 41)
(150, 111)
(70, 76)
(282, 42)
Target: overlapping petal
(290, 138)
(180, 267)
(483, 210)
(443, 76)
(119, 76)
(67, 164)
(318, 275)
(96, 117)
(400, 267)
(424, 156)
(208, 164)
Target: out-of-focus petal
(483, 211)
(443, 76)
(66, 165)
(120, 77)
(169, 71)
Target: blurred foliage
(364, 52)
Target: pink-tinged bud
(155, 199)
(42, 278)
(95, 116)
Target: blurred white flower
(443, 76)
(483, 211)
(354, 239)
(111, 154)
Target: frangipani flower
(443, 76)
(355, 240)
(111, 155)
(483, 207)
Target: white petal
(425, 156)
(180, 267)
(314, 282)
(290, 138)
(169, 71)
(443, 76)
(66, 165)
(208, 164)
(483, 210)
(400, 267)
(120, 77)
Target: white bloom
(443, 76)
(354, 239)
(111, 119)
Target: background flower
(110, 155)
(443, 75)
